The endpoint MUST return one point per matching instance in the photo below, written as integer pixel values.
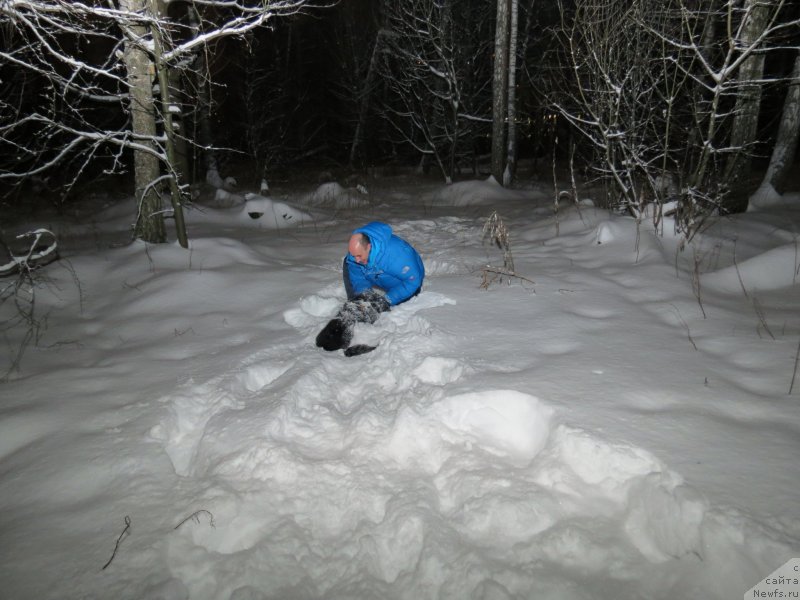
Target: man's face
(359, 252)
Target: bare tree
(146, 159)
(267, 109)
(86, 66)
(19, 281)
(365, 88)
(414, 67)
(723, 49)
(744, 127)
(654, 89)
(511, 151)
(610, 95)
(783, 153)
(425, 64)
(500, 89)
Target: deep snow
(620, 426)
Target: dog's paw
(358, 349)
(335, 335)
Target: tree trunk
(169, 130)
(177, 98)
(499, 90)
(366, 93)
(748, 101)
(783, 154)
(203, 112)
(511, 158)
(150, 218)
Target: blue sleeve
(406, 272)
(404, 289)
(356, 276)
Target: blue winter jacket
(393, 265)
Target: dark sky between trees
(295, 91)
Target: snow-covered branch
(659, 93)
(42, 249)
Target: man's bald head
(359, 247)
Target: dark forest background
(688, 104)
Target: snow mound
(770, 270)
(437, 370)
(367, 494)
(272, 214)
(766, 197)
(505, 423)
(333, 195)
(218, 253)
(438, 266)
(611, 231)
(311, 310)
(22, 429)
(472, 193)
(255, 212)
(190, 412)
(225, 199)
(257, 376)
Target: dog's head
(335, 335)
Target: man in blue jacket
(379, 260)
(380, 270)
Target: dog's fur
(335, 335)
(338, 333)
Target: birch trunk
(783, 154)
(140, 71)
(366, 93)
(748, 101)
(169, 130)
(500, 90)
(203, 113)
(511, 157)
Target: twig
(794, 374)
(119, 539)
(696, 282)
(573, 185)
(761, 317)
(497, 233)
(685, 324)
(738, 274)
(196, 518)
(555, 188)
(487, 280)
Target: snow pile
(272, 213)
(766, 197)
(774, 269)
(476, 193)
(249, 210)
(333, 195)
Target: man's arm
(404, 289)
(358, 281)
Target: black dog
(338, 333)
(335, 335)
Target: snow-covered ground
(617, 425)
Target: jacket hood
(379, 235)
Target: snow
(616, 425)
(765, 197)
